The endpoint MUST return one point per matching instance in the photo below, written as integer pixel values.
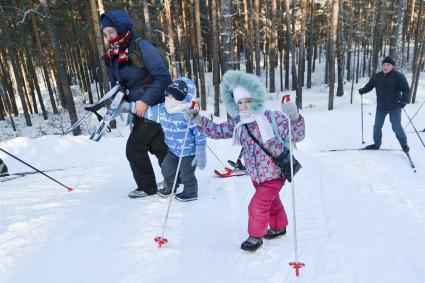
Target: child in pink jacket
(244, 96)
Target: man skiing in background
(393, 93)
(146, 79)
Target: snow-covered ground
(360, 214)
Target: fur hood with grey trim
(250, 82)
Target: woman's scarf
(118, 47)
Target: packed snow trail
(360, 214)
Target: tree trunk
(11, 53)
(41, 60)
(61, 68)
(200, 58)
(301, 55)
(332, 43)
(226, 34)
(247, 39)
(172, 54)
(272, 47)
(99, 45)
(310, 44)
(194, 50)
(35, 83)
(257, 37)
(29, 93)
(8, 108)
(377, 35)
(7, 81)
(216, 68)
(418, 58)
(180, 44)
(291, 49)
(340, 47)
(395, 41)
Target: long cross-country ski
(384, 149)
(350, 149)
(411, 162)
(13, 176)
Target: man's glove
(402, 104)
(200, 159)
(361, 91)
(291, 110)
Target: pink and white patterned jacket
(259, 165)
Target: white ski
(108, 117)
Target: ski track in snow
(360, 214)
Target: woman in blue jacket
(145, 83)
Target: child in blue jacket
(178, 97)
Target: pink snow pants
(266, 208)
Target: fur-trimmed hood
(250, 82)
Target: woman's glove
(291, 110)
(200, 159)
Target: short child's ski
(107, 98)
(110, 115)
(230, 173)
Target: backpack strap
(258, 143)
(136, 55)
(276, 132)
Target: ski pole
(161, 240)
(228, 170)
(41, 172)
(405, 112)
(216, 157)
(297, 265)
(413, 117)
(361, 101)
(239, 156)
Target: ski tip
(69, 189)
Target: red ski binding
(297, 266)
(161, 241)
(229, 173)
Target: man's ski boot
(372, 147)
(405, 148)
(251, 244)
